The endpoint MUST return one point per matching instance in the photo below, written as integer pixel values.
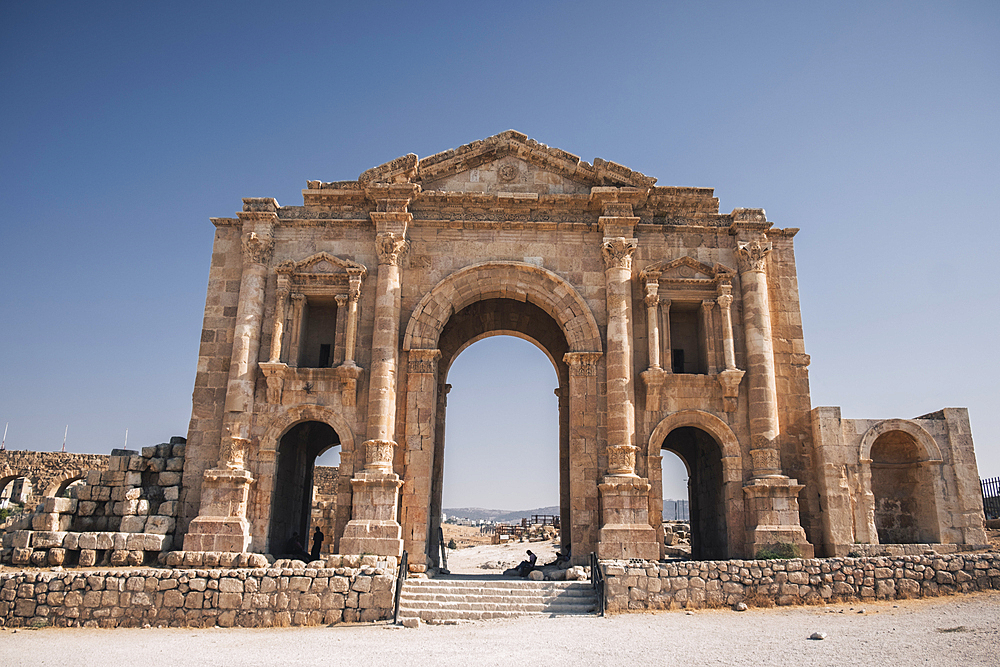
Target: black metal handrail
(400, 578)
(991, 497)
(597, 581)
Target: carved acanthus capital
(652, 298)
(618, 252)
(257, 249)
(233, 452)
(391, 247)
(354, 283)
(725, 298)
(752, 255)
(379, 454)
(422, 361)
(621, 460)
(582, 364)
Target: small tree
(451, 544)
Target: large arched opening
(904, 490)
(706, 502)
(482, 320)
(293, 484)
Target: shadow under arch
(711, 452)
(289, 447)
(903, 462)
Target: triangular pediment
(322, 263)
(506, 162)
(685, 269)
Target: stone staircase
(446, 599)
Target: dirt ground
(956, 631)
(476, 554)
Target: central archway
(500, 298)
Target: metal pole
(64, 437)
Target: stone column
(730, 378)
(353, 296)
(625, 531)
(295, 337)
(652, 301)
(373, 527)
(725, 300)
(278, 327)
(771, 497)
(221, 524)
(621, 410)
(764, 430)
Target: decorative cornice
(618, 252)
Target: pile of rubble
(676, 539)
(124, 515)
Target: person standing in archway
(317, 543)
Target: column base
(221, 525)
(209, 533)
(773, 504)
(373, 528)
(625, 531)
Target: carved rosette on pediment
(379, 455)
(752, 255)
(621, 460)
(257, 248)
(618, 252)
(391, 247)
(582, 364)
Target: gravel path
(961, 630)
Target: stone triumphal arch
(671, 326)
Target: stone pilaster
(374, 527)
(771, 497)
(221, 524)
(625, 531)
(418, 452)
(730, 377)
(584, 446)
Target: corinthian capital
(752, 256)
(391, 247)
(618, 252)
(257, 249)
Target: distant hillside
(672, 510)
(500, 516)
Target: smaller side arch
(925, 440)
(301, 413)
(58, 484)
(707, 422)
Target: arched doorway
(706, 501)
(485, 319)
(904, 490)
(292, 495)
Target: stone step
(476, 599)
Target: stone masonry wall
(353, 588)
(638, 586)
(47, 471)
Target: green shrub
(778, 551)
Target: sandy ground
(955, 631)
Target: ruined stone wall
(351, 589)
(47, 471)
(642, 586)
(124, 515)
(941, 503)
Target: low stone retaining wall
(641, 585)
(259, 597)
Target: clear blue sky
(872, 126)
